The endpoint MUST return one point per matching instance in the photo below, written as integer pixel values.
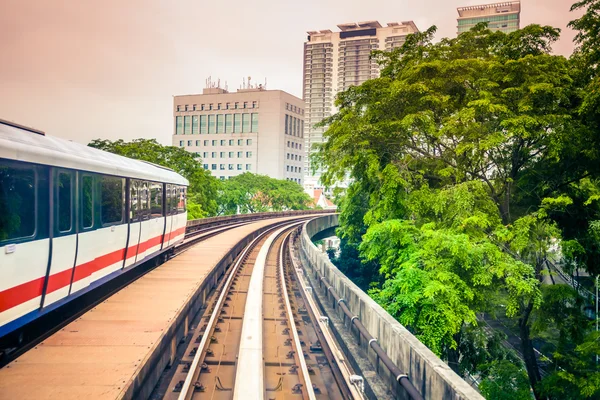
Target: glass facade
(211, 124)
(228, 123)
(254, 119)
(179, 126)
(245, 123)
(187, 125)
(220, 123)
(237, 123)
(195, 127)
(203, 124)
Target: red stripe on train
(19, 294)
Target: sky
(82, 69)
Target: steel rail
(310, 392)
(342, 371)
(187, 388)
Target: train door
(112, 232)
(89, 247)
(156, 219)
(145, 222)
(135, 223)
(64, 241)
(168, 214)
(24, 239)
(172, 213)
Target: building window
(211, 124)
(179, 125)
(239, 167)
(254, 104)
(198, 142)
(228, 123)
(237, 123)
(227, 106)
(240, 154)
(210, 106)
(300, 158)
(231, 142)
(289, 129)
(186, 107)
(205, 155)
(206, 142)
(213, 167)
(181, 143)
(286, 123)
(189, 142)
(231, 153)
(248, 167)
(194, 107)
(214, 154)
(222, 178)
(178, 108)
(248, 154)
(195, 126)
(245, 104)
(203, 125)
(254, 118)
(218, 106)
(201, 107)
(240, 142)
(223, 142)
(222, 167)
(288, 156)
(220, 123)
(288, 168)
(231, 167)
(288, 143)
(249, 142)
(245, 123)
(205, 166)
(222, 154)
(236, 105)
(214, 142)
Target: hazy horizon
(108, 70)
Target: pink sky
(83, 69)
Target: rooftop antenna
(249, 85)
(219, 84)
(243, 83)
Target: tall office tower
(252, 130)
(334, 61)
(503, 17)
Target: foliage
(250, 193)
(470, 159)
(202, 192)
(505, 381)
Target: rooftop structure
(503, 16)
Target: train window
(181, 203)
(17, 202)
(156, 194)
(144, 200)
(64, 188)
(87, 201)
(112, 199)
(133, 201)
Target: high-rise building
(334, 61)
(251, 130)
(503, 16)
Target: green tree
(202, 192)
(251, 193)
(491, 110)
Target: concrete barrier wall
(428, 373)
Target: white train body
(73, 217)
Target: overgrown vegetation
(473, 160)
(208, 196)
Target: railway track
(260, 337)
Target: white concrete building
(250, 130)
(504, 16)
(334, 61)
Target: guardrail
(405, 356)
(194, 224)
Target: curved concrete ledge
(430, 375)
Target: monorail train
(73, 217)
